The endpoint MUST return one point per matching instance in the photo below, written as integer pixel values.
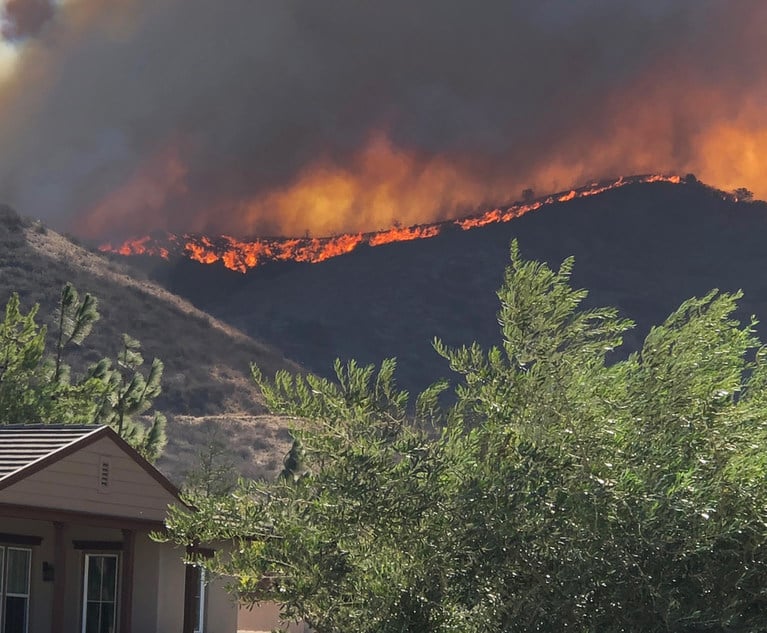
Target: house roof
(23, 445)
(27, 448)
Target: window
(15, 563)
(100, 593)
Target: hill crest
(642, 248)
(206, 360)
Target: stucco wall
(39, 619)
(157, 606)
(146, 573)
(170, 590)
(158, 588)
(222, 610)
(41, 592)
(264, 617)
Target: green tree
(37, 386)
(213, 473)
(130, 394)
(559, 492)
(75, 321)
(293, 464)
(22, 345)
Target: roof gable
(40, 459)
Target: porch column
(59, 578)
(126, 584)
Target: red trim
(19, 539)
(59, 578)
(99, 546)
(126, 584)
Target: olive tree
(561, 489)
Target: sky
(287, 117)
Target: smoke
(286, 116)
(24, 18)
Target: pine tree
(131, 394)
(293, 464)
(22, 346)
(75, 321)
(213, 473)
(39, 387)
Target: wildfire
(242, 255)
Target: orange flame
(400, 234)
(242, 255)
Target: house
(77, 505)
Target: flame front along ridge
(242, 255)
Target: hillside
(643, 248)
(206, 361)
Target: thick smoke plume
(288, 117)
(23, 18)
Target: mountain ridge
(642, 248)
(244, 254)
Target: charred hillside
(643, 248)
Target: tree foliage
(560, 490)
(37, 386)
(743, 195)
(213, 472)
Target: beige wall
(41, 592)
(170, 590)
(39, 619)
(158, 588)
(72, 483)
(222, 610)
(264, 617)
(146, 574)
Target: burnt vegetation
(643, 248)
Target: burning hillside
(244, 254)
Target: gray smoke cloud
(24, 18)
(239, 97)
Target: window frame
(117, 555)
(4, 549)
(202, 606)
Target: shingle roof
(23, 445)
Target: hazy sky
(118, 117)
